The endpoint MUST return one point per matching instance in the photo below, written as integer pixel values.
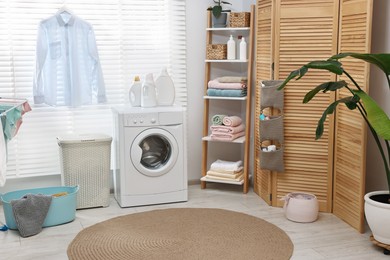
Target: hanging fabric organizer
(271, 126)
(11, 112)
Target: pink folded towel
(226, 137)
(232, 120)
(218, 85)
(227, 129)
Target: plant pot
(377, 211)
(220, 22)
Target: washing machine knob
(153, 120)
(135, 121)
(141, 121)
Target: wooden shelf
(228, 61)
(229, 29)
(239, 140)
(226, 98)
(243, 110)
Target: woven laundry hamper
(85, 161)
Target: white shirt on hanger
(68, 70)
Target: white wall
(376, 177)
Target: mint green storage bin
(62, 209)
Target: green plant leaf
(375, 115)
(382, 60)
(333, 66)
(327, 86)
(348, 101)
(299, 72)
(329, 65)
(217, 10)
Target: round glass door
(154, 152)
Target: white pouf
(301, 207)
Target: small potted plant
(219, 14)
(377, 203)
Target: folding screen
(290, 34)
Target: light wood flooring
(327, 238)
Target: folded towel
(30, 212)
(232, 79)
(226, 92)
(3, 156)
(218, 119)
(226, 136)
(218, 85)
(232, 121)
(221, 166)
(210, 177)
(227, 129)
(237, 170)
(225, 175)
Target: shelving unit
(209, 101)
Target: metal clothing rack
(12, 103)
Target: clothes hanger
(64, 9)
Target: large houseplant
(377, 204)
(219, 14)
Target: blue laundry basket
(62, 209)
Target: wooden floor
(327, 238)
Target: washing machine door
(154, 152)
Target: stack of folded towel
(226, 171)
(226, 128)
(227, 87)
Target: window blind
(134, 37)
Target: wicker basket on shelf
(241, 19)
(216, 51)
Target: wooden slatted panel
(262, 178)
(350, 139)
(305, 31)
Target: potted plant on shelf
(377, 203)
(219, 14)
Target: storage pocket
(55, 50)
(272, 129)
(270, 95)
(272, 160)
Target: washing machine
(150, 160)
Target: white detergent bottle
(135, 92)
(231, 48)
(148, 92)
(165, 89)
(243, 49)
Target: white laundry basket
(85, 161)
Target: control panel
(142, 119)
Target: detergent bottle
(165, 89)
(135, 92)
(148, 92)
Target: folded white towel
(232, 79)
(225, 175)
(238, 171)
(221, 165)
(225, 179)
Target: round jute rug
(182, 233)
